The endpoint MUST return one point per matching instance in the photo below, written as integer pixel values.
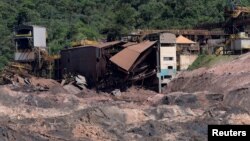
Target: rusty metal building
(89, 61)
(118, 65)
(135, 65)
(130, 57)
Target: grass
(210, 60)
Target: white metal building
(168, 62)
(26, 39)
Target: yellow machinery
(237, 17)
(219, 51)
(84, 42)
(237, 11)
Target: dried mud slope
(221, 78)
(231, 79)
(218, 95)
(135, 115)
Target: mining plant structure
(31, 54)
(237, 17)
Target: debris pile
(74, 85)
(28, 82)
(63, 112)
(134, 115)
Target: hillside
(68, 20)
(230, 77)
(211, 60)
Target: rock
(158, 99)
(187, 100)
(21, 80)
(63, 82)
(135, 116)
(238, 98)
(183, 99)
(43, 82)
(116, 93)
(81, 81)
(57, 89)
(72, 89)
(166, 111)
(239, 119)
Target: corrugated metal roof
(125, 59)
(142, 46)
(129, 44)
(128, 56)
(101, 45)
(107, 44)
(73, 48)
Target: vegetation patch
(210, 60)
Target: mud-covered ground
(135, 115)
(218, 95)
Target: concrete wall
(168, 62)
(166, 53)
(239, 44)
(186, 61)
(168, 58)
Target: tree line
(70, 20)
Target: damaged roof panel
(141, 47)
(125, 58)
(129, 44)
(128, 56)
(101, 45)
(108, 44)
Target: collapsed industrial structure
(147, 57)
(116, 65)
(153, 62)
(106, 66)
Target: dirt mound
(229, 79)
(13, 98)
(194, 100)
(239, 99)
(63, 113)
(176, 116)
(218, 79)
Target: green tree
(70, 20)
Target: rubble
(72, 89)
(239, 99)
(116, 92)
(81, 81)
(91, 116)
(67, 112)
